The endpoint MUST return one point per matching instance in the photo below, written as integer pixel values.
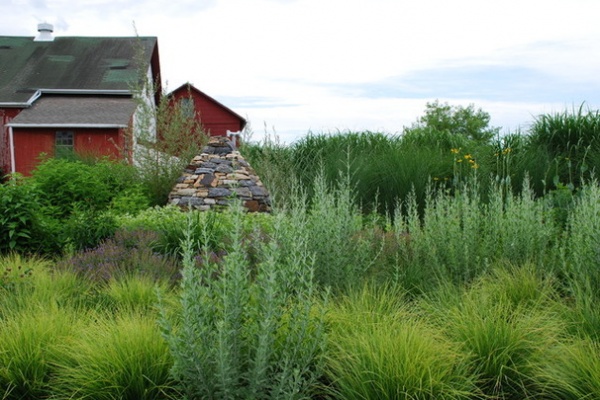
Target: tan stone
(202, 192)
(237, 176)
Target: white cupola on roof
(45, 33)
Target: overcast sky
(337, 65)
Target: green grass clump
(134, 293)
(33, 342)
(29, 281)
(380, 350)
(116, 358)
(573, 373)
(504, 323)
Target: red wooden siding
(29, 143)
(214, 119)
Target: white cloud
(298, 52)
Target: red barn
(216, 119)
(71, 94)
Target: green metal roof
(70, 63)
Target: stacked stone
(215, 177)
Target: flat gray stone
(219, 192)
(258, 191)
(243, 192)
(224, 168)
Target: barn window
(186, 106)
(64, 143)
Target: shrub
(71, 184)
(167, 138)
(581, 244)
(129, 252)
(19, 205)
(334, 231)
(208, 228)
(243, 334)
(67, 184)
(460, 235)
(85, 229)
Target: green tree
(466, 122)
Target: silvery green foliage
(247, 331)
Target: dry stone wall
(215, 177)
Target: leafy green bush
(19, 206)
(68, 185)
(85, 229)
